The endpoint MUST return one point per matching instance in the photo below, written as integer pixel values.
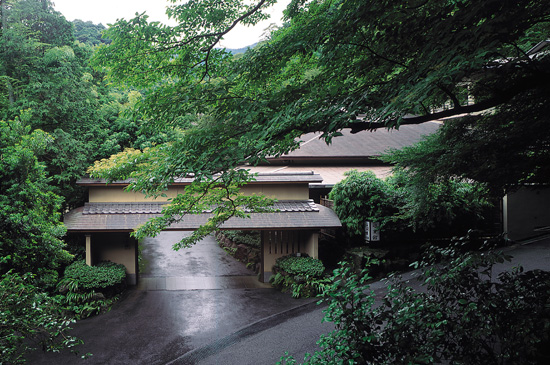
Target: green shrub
(362, 196)
(102, 276)
(301, 266)
(404, 202)
(451, 204)
(230, 250)
(304, 287)
(249, 238)
(300, 275)
(89, 290)
(29, 320)
(463, 316)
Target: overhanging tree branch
(218, 35)
(502, 97)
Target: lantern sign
(372, 231)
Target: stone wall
(246, 254)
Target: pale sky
(108, 11)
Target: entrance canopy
(127, 217)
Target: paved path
(201, 283)
(202, 267)
(186, 301)
(303, 330)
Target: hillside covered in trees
(57, 116)
(152, 102)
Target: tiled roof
(122, 208)
(331, 174)
(97, 217)
(360, 145)
(156, 208)
(262, 178)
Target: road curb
(217, 346)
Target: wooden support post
(89, 249)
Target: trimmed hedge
(102, 276)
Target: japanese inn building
(295, 181)
(112, 214)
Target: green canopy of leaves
(45, 72)
(406, 201)
(333, 64)
(88, 32)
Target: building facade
(112, 214)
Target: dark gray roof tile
(97, 217)
(360, 145)
(156, 207)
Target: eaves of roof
(127, 217)
(262, 178)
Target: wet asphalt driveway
(192, 301)
(229, 323)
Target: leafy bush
(299, 265)
(90, 290)
(102, 276)
(304, 287)
(245, 246)
(301, 275)
(230, 250)
(29, 319)
(462, 315)
(359, 197)
(424, 204)
(405, 201)
(30, 226)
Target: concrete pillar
(136, 260)
(268, 255)
(89, 249)
(131, 249)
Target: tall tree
(40, 18)
(334, 64)
(31, 248)
(30, 227)
(45, 72)
(88, 32)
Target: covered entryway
(293, 228)
(112, 213)
(151, 326)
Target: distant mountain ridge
(240, 50)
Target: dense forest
(164, 101)
(58, 116)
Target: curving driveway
(188, 305)
(230, 319)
